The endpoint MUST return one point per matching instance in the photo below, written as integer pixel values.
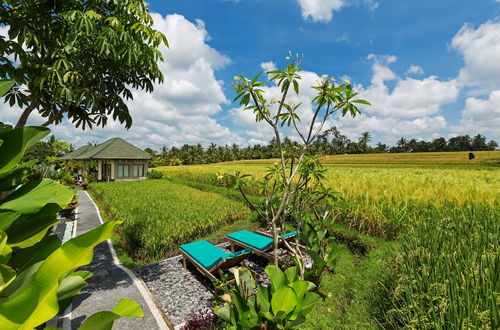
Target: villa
(115, 159)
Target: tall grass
(159, 215)
(449, 271)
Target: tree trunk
(24, 116)
(276, 241)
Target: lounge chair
(208, 258)
(260, 243)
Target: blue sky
(430, 68)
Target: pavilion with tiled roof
(115, 159)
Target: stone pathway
(111, 281)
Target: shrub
(155, 174)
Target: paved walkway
(111, 281)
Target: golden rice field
(159, 215)
(440, 211)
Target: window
(138, 170)
(123, 171)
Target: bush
(154, 175)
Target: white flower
(325, 76)
(347, 81)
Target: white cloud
(481, 116)
(320, 10)
(181, 109)
(414, 69)
(410, 98)
(480, 49)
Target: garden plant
(294, 185)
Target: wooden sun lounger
(263, 253)
(223, 264)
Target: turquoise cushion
(205, 253)
(252, 239)
(237, 253)
(292, 233)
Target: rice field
(441, 214)
(159, 215)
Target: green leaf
(223, 312)
(5, 85)
(283, 300)
(104, 320)
(15, 142)
(32, 197)
(263, 299)
(276, 276)
(16, 176)
(291, 274)
(310, 299)
(37, 300)
(7, 275)
(26, 232)
(5, 250)
(361, 102)
(27, 257)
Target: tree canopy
(78, 59)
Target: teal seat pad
(205, 253)
(254, 240)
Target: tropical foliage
(78, 59)
(39, 276)
(159, 215)
(282, 305)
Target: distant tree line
(331, 142)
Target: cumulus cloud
(181, 109)
(410, 98)
(481, 116)
(414, 69)
(320, 10)
(480, 49)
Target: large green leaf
(7, 218)
(5, 85)
(263, 299)
(310, 299)
(283, 300)
(104, 320)
(244, 280)
(32, 197)
(29, 230)
(70, 286)
(291, 274)
(37, 302)
(276, 276)
(7, 275)
(15, 142)
(26, 257)
(16, 176)
(5, 249)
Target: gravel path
(181, 292)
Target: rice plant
(159, 215)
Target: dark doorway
(106, 172)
